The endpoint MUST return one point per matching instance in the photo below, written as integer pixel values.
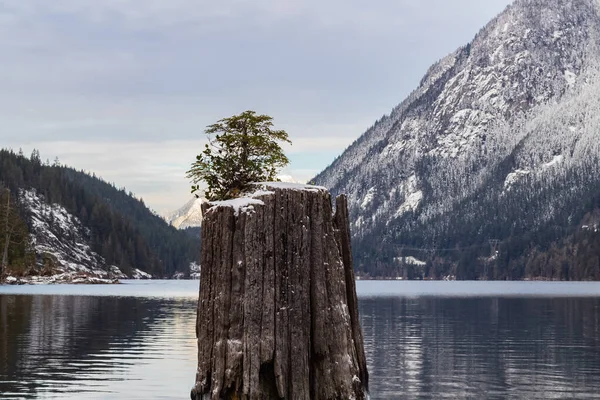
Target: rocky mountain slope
(188, 216)
(61, 244)
(499, 141)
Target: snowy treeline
(500, 138)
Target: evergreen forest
(121, 228)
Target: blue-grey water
(424, 340)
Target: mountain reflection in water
(427, 347)
(483, 348)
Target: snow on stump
(278, 314)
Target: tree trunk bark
(277, 313)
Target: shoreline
(60, 279)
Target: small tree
(245, 149)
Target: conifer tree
(245, 149)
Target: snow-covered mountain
(61, 243)
(60, 239)
(188, 216)
(501, 137)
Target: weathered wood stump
(278, 313)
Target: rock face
(62, 244)
(500, 138)
(277, 313)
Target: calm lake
(426, 340)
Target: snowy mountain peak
(188, 216)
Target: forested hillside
(490, 169)
(117, 225)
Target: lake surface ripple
(424, 340)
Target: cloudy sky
(125, 88)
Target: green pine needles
(245, 149)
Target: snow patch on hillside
(410, 260)
(414, 196)
(514, 177)
(62, 245)
(139, 274)
(555, 161)
(368, 198)
(411, 204)
(570, 77)
(61, 238)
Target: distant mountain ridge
(498, 142)
(188, 216)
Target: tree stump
(277, 313)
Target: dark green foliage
(245, 149)
(546, 230)
(193, 231)
(16, 251)
(122, 229)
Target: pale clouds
(373, 16)
(155, 170)
(124, 88)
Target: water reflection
(140, 347)
(482, 348)
(96, 347)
